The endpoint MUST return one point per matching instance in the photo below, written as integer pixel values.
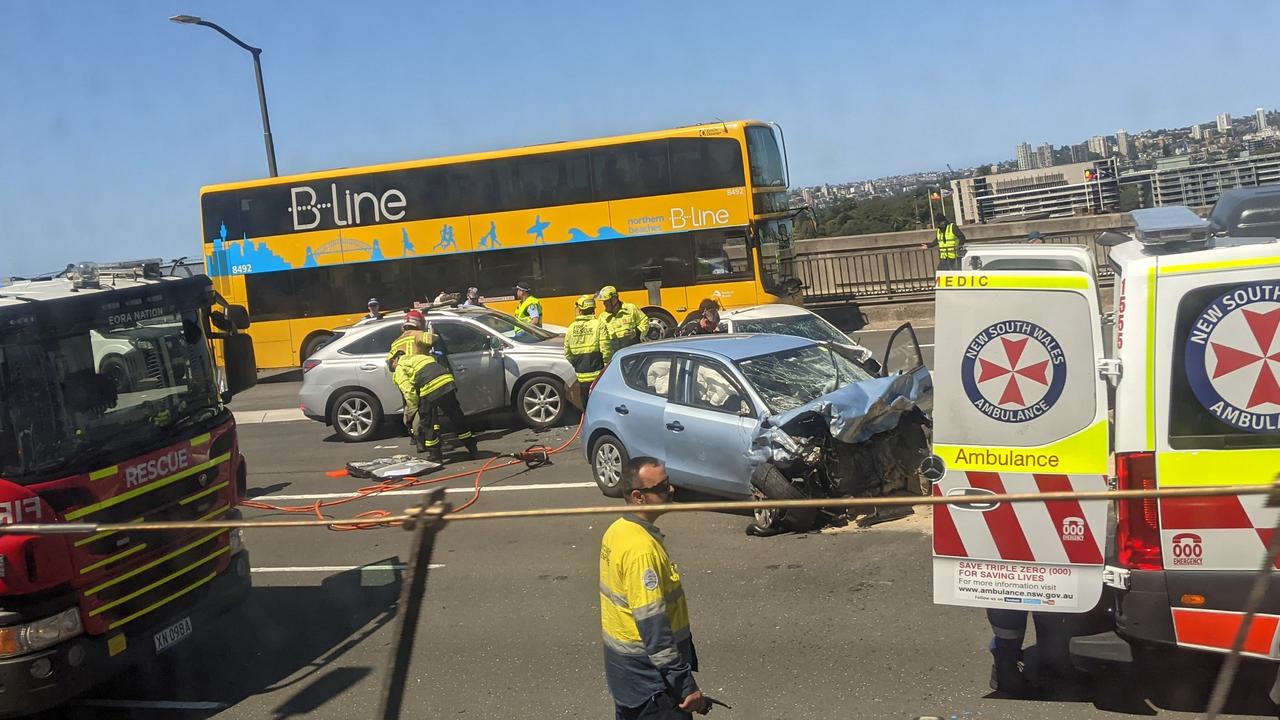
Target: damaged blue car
(776, 416)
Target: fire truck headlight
(20, 639)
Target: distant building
(1080, 153)
(1098, 145)
(1180, 183)
(1224, 122)
(1045, 154)
(1036, 194)
(1026, 161)
(1122, 144)
(1260, 116)
(1197, 132)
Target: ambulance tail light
(1138, 521)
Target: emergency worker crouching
(428, 387)
(624, 324)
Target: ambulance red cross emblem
(1233, 357)
(1013, 371)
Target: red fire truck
(113, 410)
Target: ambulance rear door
(1216, 421)
(1019, 406)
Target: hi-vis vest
(412, 342)
(586, 347)
(947, 241)
(1023, 374)
(522, 311)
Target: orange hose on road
(317, 508)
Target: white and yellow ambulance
(1037, 390)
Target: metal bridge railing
(901, 272)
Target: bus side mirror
(240, 365)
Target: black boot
(1006, 674)
(472, 448)
(434, 454)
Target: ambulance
(1037, 389)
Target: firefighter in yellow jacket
(624, 323)
(428, 387)
(586, 344)
(415, 338)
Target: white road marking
(454, 490)
(336, 568)
(255, 417)
(152, 704)
(925, 345)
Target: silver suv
(497, 361)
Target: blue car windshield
(791, 378)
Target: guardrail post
(425, 527)
(888, 280)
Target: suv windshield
(805, 326)
(791, 378)
(511, 328)
(73, 399)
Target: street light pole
(257, 72)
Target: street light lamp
(257, 71)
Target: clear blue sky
(112, 117)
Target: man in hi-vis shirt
(649, 658)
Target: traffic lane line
(258, 417)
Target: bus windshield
(75, 399)
(767, 166)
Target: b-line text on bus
(307, 214)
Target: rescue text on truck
(111, 410)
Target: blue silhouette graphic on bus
(243, 257)
(310, 260)
(375, 253)
(604, 233)
(490, 239)
(447, 242)
(406, 247)
(538, 230)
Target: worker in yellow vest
(624, 323)
(529, 311)
(586, 344)
(950, 243)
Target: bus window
(500, 271)
(547, 180)
(631, 170)
(705, 164)
(767, 168)
(570, 267)
(720, 256)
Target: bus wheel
(314, 343)
(661, 324)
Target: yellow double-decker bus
(669, 218)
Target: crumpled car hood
(853, 414)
